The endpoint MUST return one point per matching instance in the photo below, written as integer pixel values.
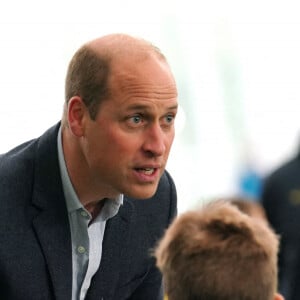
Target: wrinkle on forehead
(150, 71)
(134, 83)
(149, 90)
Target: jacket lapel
(51, 224)
(114, 247)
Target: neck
(95, 208)
(86, 189)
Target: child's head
(249, 207)
(218, 253)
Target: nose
(155, 141)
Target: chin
(142, 192)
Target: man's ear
(76, 112)
(278, 297)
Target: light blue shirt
(86, 237)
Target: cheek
(169, 141)
(119, 144)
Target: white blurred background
(237, 65)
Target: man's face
(128, 144)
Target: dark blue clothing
(281, 200)
(35, 238)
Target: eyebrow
(173, 107)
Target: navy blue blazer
(35, 241)
(281, 200)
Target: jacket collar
(53, 231)
(114, 247)
(51, 223)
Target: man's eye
(136, 119)
(169, 118)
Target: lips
(146, 171)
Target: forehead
(150, 78)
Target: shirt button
(81, 249)
(84, 213)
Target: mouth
(146, 171)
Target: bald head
(92, 65)
(123, 45)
